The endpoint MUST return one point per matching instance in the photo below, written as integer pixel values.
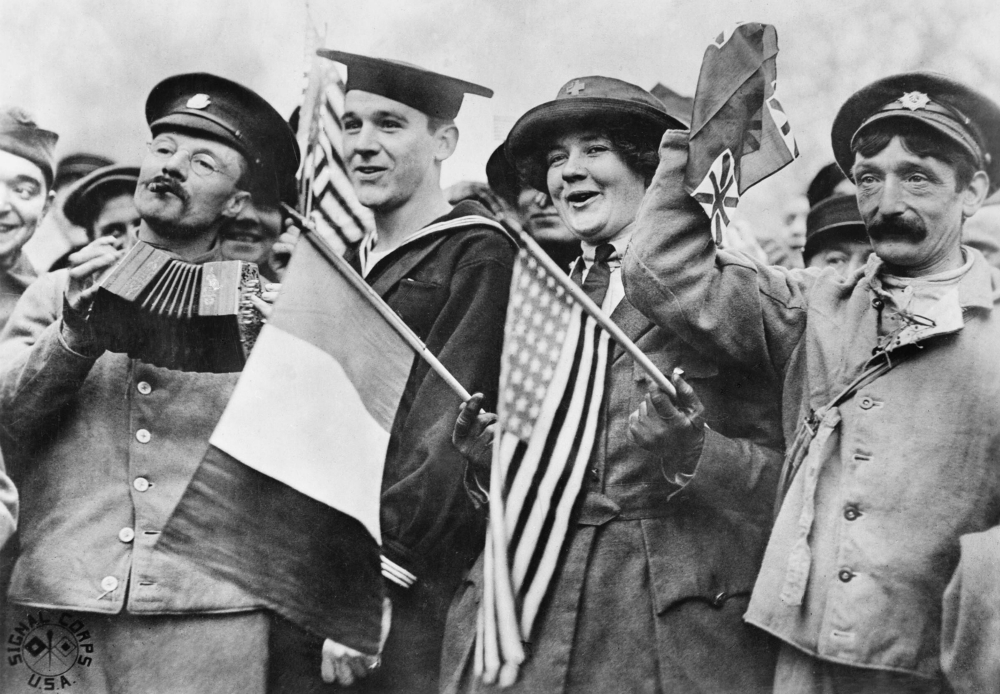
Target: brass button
(845, 575)
(143, 436)
(866, 403)
(144, 387)
(851, 513)
(141, 484)
(720, 599)
(109, 583)
(126, 535)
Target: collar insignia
(198, 101)
(914, 100)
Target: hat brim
(536, 128)
(88, 195)
(865, 102)
(199, 123)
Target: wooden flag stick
(595, 312)
(391, 317)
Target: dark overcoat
(653, 585)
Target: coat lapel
(632, 323)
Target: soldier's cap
(21, 136)
(220, 109)
(835, 217)
(88, 195)
(958, 112)
(73, 167)
(431, 93)
(585, 100)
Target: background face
(22, 201)
(85, 67)
(116, 218)
(251, 234)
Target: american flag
(551, 391)
(735, 141)
(324, 186)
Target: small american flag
(323, 183)
(551, 391)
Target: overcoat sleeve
(430, 526)
(734, 309)
(39, 372)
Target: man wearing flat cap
(102, 446)
(836, 236)
(891, 383)
(446, 270)
(102, 203)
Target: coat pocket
(419, 303)
(702, 554)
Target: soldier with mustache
(102, 446)
(891, 382)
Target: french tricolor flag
(285, 503)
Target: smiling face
(251, 234)
(24, 198)
(913, 208)
(391, 154)
(595, 192)
(188, 184)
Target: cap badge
(575, 88)
(198, 101)
(914, 100)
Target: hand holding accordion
(178, 315)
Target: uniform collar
(979, 288)
(620, 245)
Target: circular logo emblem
(50, 650)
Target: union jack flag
(324, 188)
(735, 141)
(551, 392)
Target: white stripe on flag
(557, 534)
(311, 429)
(567, 436)
(536, 445)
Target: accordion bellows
(178, 315)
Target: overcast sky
(85, 67)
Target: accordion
(178, 315)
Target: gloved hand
(675, 428)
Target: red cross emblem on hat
(575, 88)
(914, 100)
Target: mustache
(166, 184)
(883, 227)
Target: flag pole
(391, 317)
(592, 309)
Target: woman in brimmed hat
(655, 574)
